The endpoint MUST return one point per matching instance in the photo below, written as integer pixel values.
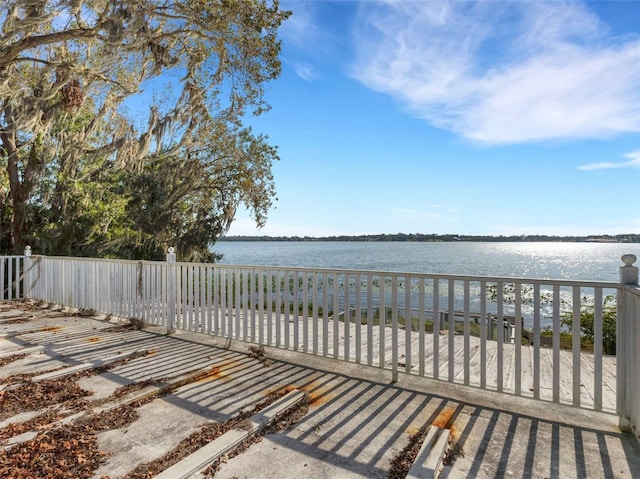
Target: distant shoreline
(425, 238)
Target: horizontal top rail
(95, 260)
(445, 276)
(442, 276)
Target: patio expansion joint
(429, 459)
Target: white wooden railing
(395, 321)
(11, 285)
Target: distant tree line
(420, 237)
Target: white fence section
(11, 285)
(503, 334)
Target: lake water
(579, 261)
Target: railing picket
(223, 302)
(358, 318)
(164, 293)
(451, 329)
(369, 319)
(261, 308)
(150, 271)
(576, 345)
(382, 322)
(183, 313)
(3, 295)
(336, 315)
(278, 315)
(197, 299)
(296, 310)
(517, 340)
(146, 294)
(269, 307)
(325, 314)
(231, 274)
(556, 344)
(467, 332)
(186, 297)
(597, 350)
(226, 293)
(483, 334)
(209, 294)
(305, 312)
(200, 316)
(436, 328)
(305, 315)
(189, 299)
(18, 271)
(286, 307)
(421, 324)
(500, 337)
(10, 281)
(130, 290)
(394, 327)
(347, 317)
(217, 306)
(408, 326)
(237, 303)
(251, 299)
(162, 302)
(536, 341)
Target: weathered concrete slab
(357, 421)
(26, 351)
(229, 441)
(12, 314)
(59, 373)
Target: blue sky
(497, 117)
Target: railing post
(172, 291)
(26, 273)
(628, 272)
(628, 341)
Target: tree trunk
(17, 240)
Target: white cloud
(502, 72)
(301, 27)
(304, 70)
(634, 162)
(304, 37)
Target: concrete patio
(357, 421)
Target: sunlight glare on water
(585, 261)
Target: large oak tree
(93, 163)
